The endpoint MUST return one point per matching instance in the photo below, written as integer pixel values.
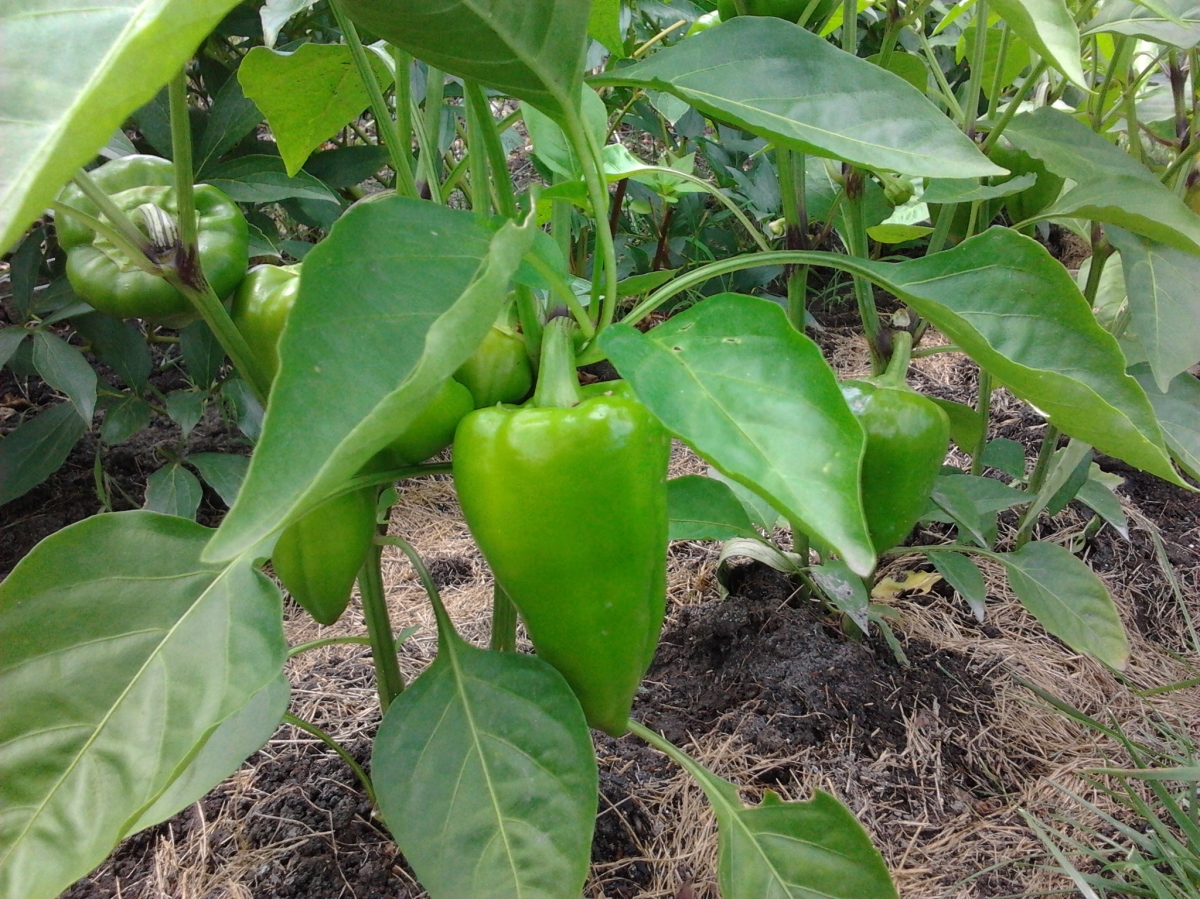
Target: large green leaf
(1048, 27)
(307, 95)
(35, 449)
(1139, 20)
(1069, 600)
(529, 49)
(754, 397)
(783, 82)
(1111, 186)
(1160, 283)
(1178, 410)
(394, 301)
(1019, 314)
(122, 654)
(70, 74)
(487, 778)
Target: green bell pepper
(567, 498)
(499, 370)
(791, 10)
(318, 557)
(102, 275)
(260, 309)
(907, 439)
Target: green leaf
(262, 179)
(1160, 283)
(486, 775)
(1111, 186)
(845, 590)
(1178, 411)
(124, 418)
(1049, 28)
(307, 95)
(119, 344)
(1075, 479)
(35, 449)
(1006, 455)
(394, 301)
(1018, 313)
(703, 508)
(186, 408)
(551, 145)
(529, 49)
(235, 740)
(231, 118)
(69, 77)
(10, 341)
(759, 509)
(23, 270)
(784, 83)
(1069, 600)
(1097, 494)
(149, 651)
(1139, 20)
(908, 66)
(604, 24)
(63, 367)
(964, 576)
(1016, 57)
(973, 503)
(347, 166)
(202, 353)
(223, 472)
(732, 379)
(969, 190)
(173, 490)
(966, 426)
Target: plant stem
(135, 254)
(947, 93)
(385, 126)
(446, 630)
(856, 238)
(791, 166)
(477, 160)
(181, 151)
(983, 407)
(504, 621)
(403, 95)
(590, 158)
(562, 290)
(327, 641)
(849, 26)
(506, 200)
(388, 679)
(337, 747)
(1045, 454)
(558, 381)
(119, 222)
(1014, 105)
(435, 92)
(978, 63)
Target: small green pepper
(260, 309)
(498, 371)
(907, 439)
(103, 276)
(567, 498)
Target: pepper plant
(142, 654)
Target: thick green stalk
(849, 26)
(558, 381)
(858, 246)
(385, 125)
(435, 95)
(947, 93)
(181, 150)
(983, 407)
(896, 373)
(402, 59)
(136, 254)
(388, 679)
(978, 63)
(130, 234)
(1014, 104)
(791, 165)
(504, 621)
(506, 199)
(477, 160)
(997, 86)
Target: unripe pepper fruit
(567, 498)
(907, 439)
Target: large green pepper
(907, 439)
(791, 10)
(567, 498)
(103, 276)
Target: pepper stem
(897, 367)
(558, 384)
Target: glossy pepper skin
(791, 10)
(318, 557)
(101, 274)
(260, 309)
(498, 371)
(568, 504)
(907, 439)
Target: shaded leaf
(36, 448)
(969, 190)
(231, 118)
(845, 590)
(63, 367)
(783, 82)
(119, 344)
(732, 379)
(223, 472)
(186, 408)
(1006, 455)
(1069, 600)
(964, 576)
(703, 508)
(263, 179)
(124, 418)
(1179, 412)
(10, 341)
(1097, 494)
(173, 490)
